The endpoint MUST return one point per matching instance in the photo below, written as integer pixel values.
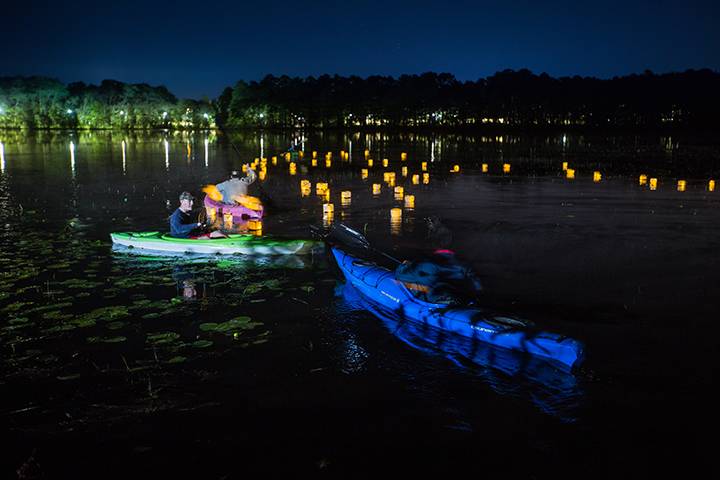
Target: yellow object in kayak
(247, 201)
(213, 192)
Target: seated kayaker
(441, 277)
(236, 186)
(182, 224)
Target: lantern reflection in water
(396, 221)
(403, 156)
(565, 166)
(370, 162)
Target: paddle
(264, 197)
(341, 233)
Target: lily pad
(177, 359)
(208, 327)
(202, 343)
(162, 338)
(117, 325)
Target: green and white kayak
(234, 244)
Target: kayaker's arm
(250, 178)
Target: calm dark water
(114, 364)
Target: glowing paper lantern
(653, 184)
(570, 173)
(484, 167)
(643, 179)
(409, 201)
(597, 176)
(681, 185)
(506, 168)
(711, 186)
(376, 189)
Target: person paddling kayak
(441, 277)
(182, 224)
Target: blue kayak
(379, 286)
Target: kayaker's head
(186, 201)
(234, 174)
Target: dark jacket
(182, 224)
(442, 278)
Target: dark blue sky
(198, 48)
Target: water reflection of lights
(167, 154)
(206, 152)
(72, 158)
(395, 221)
(2, 157)
(122, 144)
(262, 146)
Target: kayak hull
(239, 212)
(379, 286)
(232, 245)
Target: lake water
(115, 364)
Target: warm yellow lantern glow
(262, 174)
(244, 167)
(506, 168)
(426, 178)
(711, 186)
(565, 166)
(643, 179)
(314, 154)
(597, 176)
(404, 171)
(399, 192)
(327, 219)
(287, 156)
(423, 166)
(385, 162)
(370, 162)
(346, 194)
(367, 153)
(254, 225)
(313, 162)
(305, 184)
(328, 155)
(211, 213)
(328, 208)
(681, 185)
(403, 156)
(301, 154)
(305, 192)
(328, 163)
(274, 160)
(484, 167)
(395, 213)
(455, 169)
(364, 173)
(293, 168)
(653, 184)
(409, 201)
(321, 188)
(416, 179)
(376, 189)
(228, 219)
(570, 173)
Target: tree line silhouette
(508, 98)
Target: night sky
(198, 48)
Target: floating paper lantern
(426, 178)
(395, 213)
(597, 176)
(484, 167)
(328, 208)
(376, 189)
(681, 185)
(643, 179)
(506, 168)
(409, 201)
(455, 169)
(403, 156)
(364, 173)
(370, 162)
(565, 166)
(416, 179)
(653, 184)
(385, 162)
(711, 186)
(274, 160)
(399, 192)
(423, 166)
(404, 171)
(328, 163)
(367, 153)
(570, 173)
(287, 156)
(314, 154)
(313, 162)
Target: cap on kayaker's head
(234, 174)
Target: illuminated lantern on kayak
(253, 225)
(370, 162)
(426, 178)
(597, 176)
(423, 166)
(565, 166)
(643, 179)
(228, 219)
(403, 156)
(416, 179)
(681, 185)
(213, 193)
(385, 162)
(570, 173)
(455, 169)
(376, 189)
(404, 171)
(409, 201)
(399, 193)
(653, 184)
(506, 168)
(484, 167)
(211, 214)
(364, 173)
(711, 186)
(244, 168)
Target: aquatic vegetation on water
(162, 338)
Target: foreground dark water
(116, 365)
